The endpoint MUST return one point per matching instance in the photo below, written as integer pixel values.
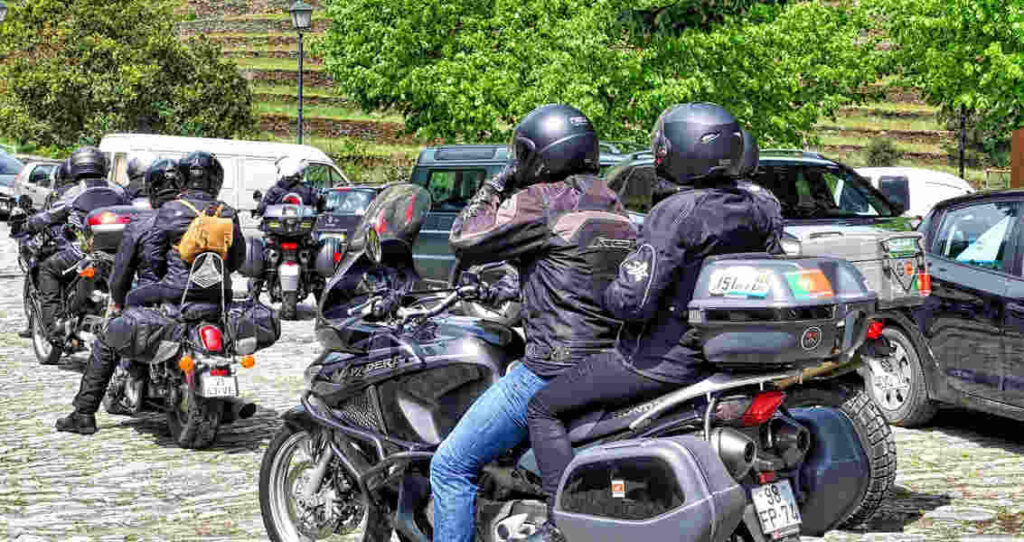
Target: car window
(977, 234)
(318, 176)
(896, 188)
(348, 202)
(9, 165)
(41, 175)
(820, 191)
(450, 189)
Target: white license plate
(740, 282)
(218, 386)
(777, 509)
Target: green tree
(71, 71)
(467, 69)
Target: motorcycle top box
(106, 225)
(757, 309)
(289, 219)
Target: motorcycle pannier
(138, 332)
(649, 489)
(254, 261)
(252, 326)
(757, 310)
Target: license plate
(218, 386)
(777, 509)
(740, 282)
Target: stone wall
(244, 26)
(312, 78)
(368, 130)
(222, 8)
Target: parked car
(36, 181)
(917, 190)
(248, 165)
(973, 323)
(344, 209)
(10, 167)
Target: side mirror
(257, 196)
(373, 246)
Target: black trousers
(51, 276)
(601, 380)
(153, 294)
(96, 378)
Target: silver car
(10, 167)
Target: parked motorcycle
(183, 359)
(85, 295)
(285, 259)
(772, 446)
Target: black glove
(506, 289)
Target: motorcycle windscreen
(397, 214)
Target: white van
(917, 189)
(248, 165)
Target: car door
(1013, 325)
(970, 258)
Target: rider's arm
(236, 255)
(489, 230)
(124, 265)
(157, 242)
(58, 212)
(646, 273)
(271, 197)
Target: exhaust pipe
(787, 439)
(736, 450)
(237, 409)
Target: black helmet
(163, 181)
(696, 141)
(87, 162)
(202, 171)
(553, 142)
(138, 165)
(751, 154)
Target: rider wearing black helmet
(566, 231)
(202, 178)
(698, 148)
(88, 168)
(138, 166)
(162, 183)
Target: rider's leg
(495, 423)
(90, 392)
(51, 276)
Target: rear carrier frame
(757, 309)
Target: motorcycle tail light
(88, 272)
(875, 329)
(292, 200)
(224, 371)
(212, 339)
(290, 246)
(337, 257)
(764, 406)
(108, 217)
(766, 477)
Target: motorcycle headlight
(791, 247)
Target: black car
(973, 323)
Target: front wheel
(874, 435)
(897, 382)
(289, 305)
(45, 351)
(336, 510)
(193, 420)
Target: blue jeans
(495, 423)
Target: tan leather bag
(206, 233)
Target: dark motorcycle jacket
(171, 222)
(282, 188)
(131, 258)
(76, 203)
(566, 239)
(655, 283)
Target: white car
(918, 190)
(36, 181)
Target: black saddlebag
(252, 326)
(139, 331)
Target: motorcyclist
(290, 180)
(698, 147)
(202, 177)
(162, 184)
(88, 167)
(138, 167)
(566, 231)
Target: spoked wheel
(193, 420)
(45, 351)
(873, 432)
(899, 386)
(335, 511)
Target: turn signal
(248, 362)
(764, 406)
(88, 272)
(924, 284)
(186, 364)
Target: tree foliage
(71, 71)
(468, 69)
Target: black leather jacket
(310, 196)
(76, 203)
(172, 221)
(655, 284)
(567, 239)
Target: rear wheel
(873, 432)
(45, 351)
(289, 305)
(899, 388)
(193, 420)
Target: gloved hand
(506, 289)
(501, 183)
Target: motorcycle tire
(194, 421)
(279, 483)
(46, 352)
(289, 305)
(873, 431)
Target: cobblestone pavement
(958, 480)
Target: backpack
(206, 233)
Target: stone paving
(959, 479)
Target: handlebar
(407, 315)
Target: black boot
(547, 533)
(77, 422)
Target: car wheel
(899, 388)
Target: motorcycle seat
(194, 311)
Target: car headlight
(791, 247)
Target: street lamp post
(302, 20)
(3, 11)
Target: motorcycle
(182, 359)
(771, 446)
(85, 294)
(285, 260)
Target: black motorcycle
(285, 260)
(772, 446)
